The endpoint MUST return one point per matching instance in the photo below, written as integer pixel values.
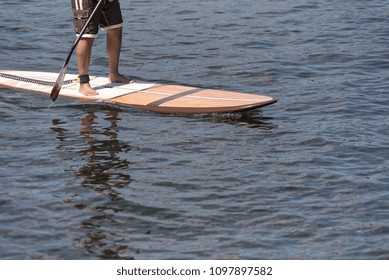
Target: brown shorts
(108, 16)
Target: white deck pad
(43, 82)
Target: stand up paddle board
(173, 99)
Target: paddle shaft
(58, 84)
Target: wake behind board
(174, 99)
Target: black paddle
(58, 84)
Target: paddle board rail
(172, 99)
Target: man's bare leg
(114, 45)
(84, 53)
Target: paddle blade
(55, 92)
(58, 85)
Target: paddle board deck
(174, 99)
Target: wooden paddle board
(162, 98)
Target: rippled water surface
(304, 178)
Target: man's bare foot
(87, 90)
(118, 78)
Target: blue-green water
(305, 178)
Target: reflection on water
(250, 119)
(104, 172)
(102, 162)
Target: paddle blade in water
(58, 85)
(55, 92)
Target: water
(305, 178)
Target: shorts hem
(106, 28)
(93, 36)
